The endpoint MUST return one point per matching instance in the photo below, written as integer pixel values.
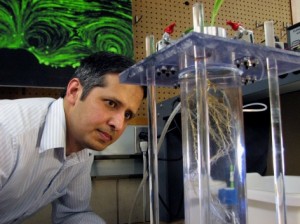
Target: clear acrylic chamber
(213, 145)
(211, 71)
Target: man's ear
(74, 90)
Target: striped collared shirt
(34, 170)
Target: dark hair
(92, 70)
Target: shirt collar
(54, 133)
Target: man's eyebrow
(121, 104)
(117, 101)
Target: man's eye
(128, 115)
(111, 103)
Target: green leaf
(217, 6)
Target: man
(44, 142)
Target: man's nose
(117, 121)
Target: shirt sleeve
(74, 207)
(8, 156)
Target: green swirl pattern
(61, 32)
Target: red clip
(234, 26)
(170, 29)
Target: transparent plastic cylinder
(213, 145)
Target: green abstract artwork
(57, 34)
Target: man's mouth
(104, 136)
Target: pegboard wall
(152, 16)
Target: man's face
(100, 119)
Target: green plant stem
(217, 6)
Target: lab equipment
(166, 38)
(210, 73)
(241, 32)
(293, 36)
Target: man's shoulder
(25, 104)
(24, 113)
(26, 100)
